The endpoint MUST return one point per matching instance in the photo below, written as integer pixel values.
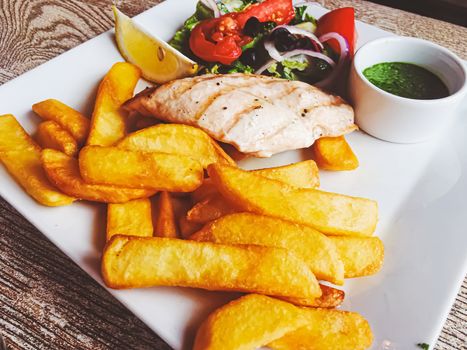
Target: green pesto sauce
(406, 80)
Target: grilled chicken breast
(258, 115)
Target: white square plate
(421, 190)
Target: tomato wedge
(341, 21)
(221, 39)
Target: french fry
(248, 323)
(51, 135)
(63, 172)
(311, 246)
(187, 228)
(108, 125)
(210, 205)
(334, 153)
(209, 209)
(177, 139)
(158, 171)
(330, 298)
(132, 218)
(166, 225)
(303, 174)
(330, 213)
(68, 118)
(206, 190)
(327, 329)
(132, 262)
(21, 156)
(362, 256)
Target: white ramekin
(399, 119)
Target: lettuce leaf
(180, 40)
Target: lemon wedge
(158, 61)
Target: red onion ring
(318, 55)
(310, 53)
(272, 51)
(295, 30)
(344, 54)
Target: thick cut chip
(301, 174)
(108, 124)
(330, 213)
(187, 228)
(21, 156)
(206, 190)
(362, 256)
(68, 118)
(178, 139)
(133, 218)
(166, 225)
(210, 205)
(311, 246)
(328, 330)
(158, 171)
(210, 209)
(334, 153)
(132, 262)
(63, 172)
(248, 323)
(330, 298)
(51, 135)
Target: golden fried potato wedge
(133, 218)
(210, 209)
(63, 172)
(177, 139)
(187, 228)
(108, 125)
(362, 256)
(248, 323)
(158, 171)
(21, 156)
(68, 118)
(330, 298)
(327, 329)
(334, 153)
(330, 213)
(303, 174)
(206, 190)
(311, 246)
(51, 135)
(166, 225)
(132, 262)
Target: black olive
(279, 32)
(248, 57)
(252, 27)
(286, 42)
(304, 43)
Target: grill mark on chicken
(238, 116)
(291, 114)
(245, 112)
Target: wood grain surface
(46, 301)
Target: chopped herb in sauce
(406, 80)
(423, 346)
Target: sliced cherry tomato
(221, 39)
(278, 11)
(341, 21)
(212, 41)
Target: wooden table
(46, 301)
